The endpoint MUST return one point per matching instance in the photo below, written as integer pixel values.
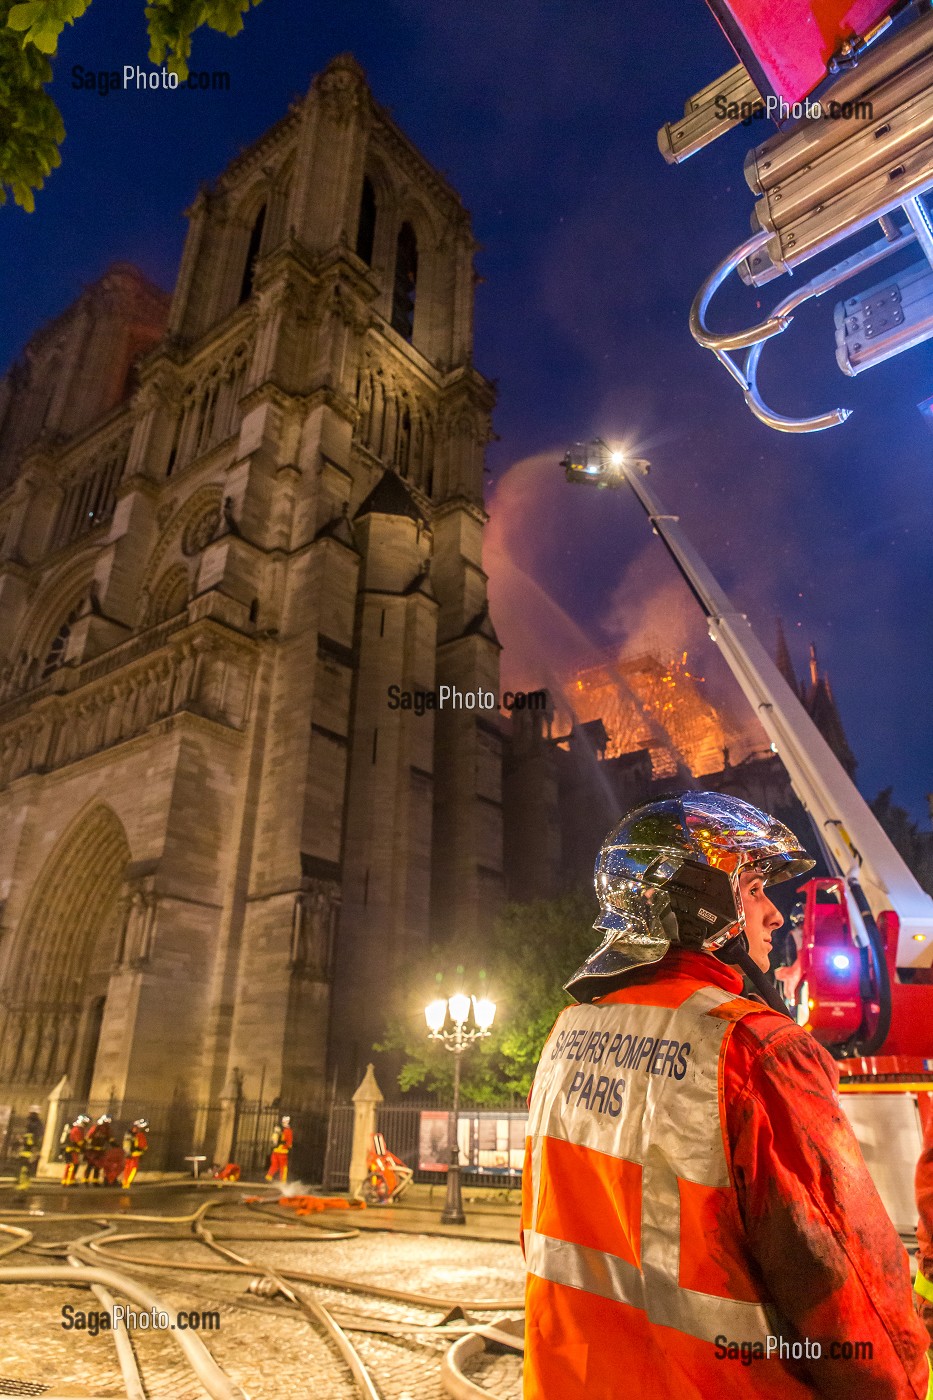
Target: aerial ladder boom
(843, 820)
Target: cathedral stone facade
(230, 520)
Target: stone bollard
(365, 1102)
(48, 1164)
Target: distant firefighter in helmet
(282, 1142)
(697, 1219)
(135, 1144)
(98, 1142)
(71, 1144)
(30, 1143)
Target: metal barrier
(252, 1140)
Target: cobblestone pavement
(267, 1345)
(500, 1375)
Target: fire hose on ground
(83, 1267)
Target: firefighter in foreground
(135, 1143)
(73, 1138)
(281, 1146)
(697, 1218)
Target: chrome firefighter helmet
(669, 874)
(82, 1118)
(104, 1118)
(141, 1123)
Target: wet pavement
(268, 1346)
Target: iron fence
(11, 1131)
(254, 1125)
(401, 1125)
(181, 1131)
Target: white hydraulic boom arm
(848, 828)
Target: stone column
(47, 1166)
(365, 1101)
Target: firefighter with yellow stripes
(73, 1138)
(282, 1141)
(135, 1144)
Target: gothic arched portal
(56, 983)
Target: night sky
(544, 118)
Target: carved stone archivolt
(69, 922)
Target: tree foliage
(31, 126)
(533, 950)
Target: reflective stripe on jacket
(135, 1142)
(633, 1241)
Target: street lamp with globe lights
(458, 1038)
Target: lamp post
(459, 1037)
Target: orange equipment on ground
(111, 1164)
(311, 1205)
(387, 1176)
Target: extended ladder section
(840, 814)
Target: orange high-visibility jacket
(692, 1189)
